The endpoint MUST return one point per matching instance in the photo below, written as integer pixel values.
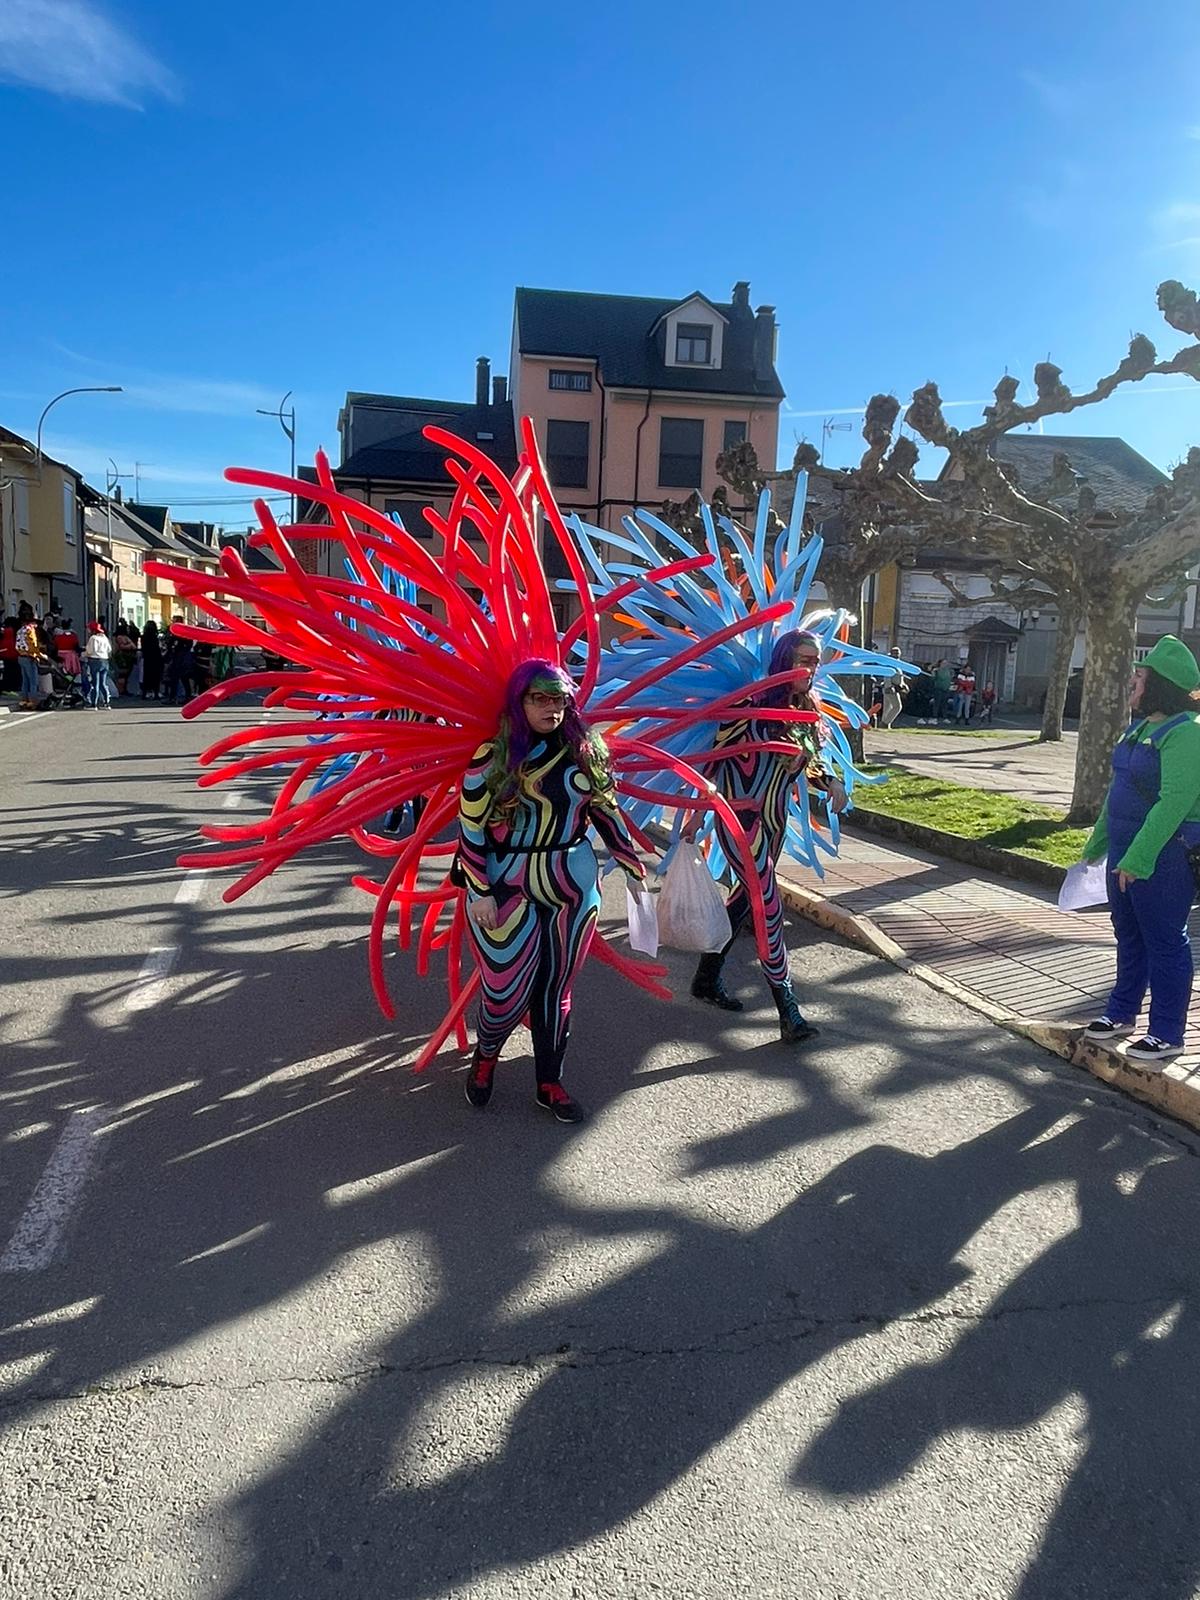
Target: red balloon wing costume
(414, 688)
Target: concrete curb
(1170, 1089)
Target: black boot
(793, 1029)
(707, 985)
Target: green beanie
(1172, 660)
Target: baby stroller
(65, 693)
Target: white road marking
(150, 983)
(44, 1221)
(21, 719)
(233, 799)
(190, 890)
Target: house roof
(617, 331)
(994, 628)
(98, 525)
(153, 516)
(1120, 477)
(408, 456)
(7, 436)
(156, 541)
(256, 558)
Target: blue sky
(214, 204)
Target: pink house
(633, 399)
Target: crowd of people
(942, 692)
(47, 665)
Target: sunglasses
(546, 702)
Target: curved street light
(90, 388)
(284, 418)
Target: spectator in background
(152, 661)
(66, 643)
(10, 667)
(124, 656)
(964, 693)
(96, 655)
(180, 671)
(28, 648)
(987, 701)
(943, 684)
(894, 691)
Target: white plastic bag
(643, 920)
(691, 911)
(1086, 884)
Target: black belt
(537, 849)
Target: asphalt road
(910, 1312)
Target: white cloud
(1177, 226)
(1181, 211)
(858, 411)
(162, 391)
(203, 396)
(92, 460)
(70, 48)
(1058, 98)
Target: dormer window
(693, 344)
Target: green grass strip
(987, 815)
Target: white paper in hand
(643, 920)
(1086, 884)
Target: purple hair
(781, 661)
(515, 738)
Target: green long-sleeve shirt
(1178, 799)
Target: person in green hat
(1151, 817)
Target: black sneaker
(1151, 1048)
(555, 1098)
(1106, 1028)
(478, 1087)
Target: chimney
(741, 299)
(764, 343)
(483, 379)
(499, 391)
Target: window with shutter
(680, 452)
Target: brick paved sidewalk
(1009, 944)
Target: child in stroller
(65, 691)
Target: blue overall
(1150, 917)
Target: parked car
(1074, 701)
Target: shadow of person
(594, 1407)
(1107, 1317)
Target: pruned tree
(1099, 563)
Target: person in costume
(1151, 818)
(533, 897)
(758, 786)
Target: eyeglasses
(546, 702)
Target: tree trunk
(844, 592)
(1110, 618)
(1069, 613)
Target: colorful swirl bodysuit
(758, 785)
(539, 865)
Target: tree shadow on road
(623, 1312)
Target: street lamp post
(91, 388)
(287, 421)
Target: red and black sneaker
(478, 1087)
(555, 1098)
